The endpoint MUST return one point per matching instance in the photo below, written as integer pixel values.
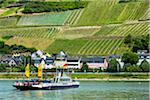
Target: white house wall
(59, 63)
(140, 61)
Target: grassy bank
(84, 76)
(111, 76)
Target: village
(62, 59)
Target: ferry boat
(60, 81)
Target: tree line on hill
(137, 42)
(125, 1)
(6, 49)
(38, 7)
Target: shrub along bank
(83, 76)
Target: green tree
(114, 66)
(138, 45)
(125, 67)
(138, 42)
(145, 66)
(146, 42)
(2, 44)
(134, 68)
(130, 57)
(84, 67)
(129, 40)
(2, 67)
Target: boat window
(64, 79)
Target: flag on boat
(40, 71)
(27, 71)
(65, 66)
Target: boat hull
(45, 88)
(25, 87)
(60, 87)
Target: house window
(72, 60)
(97, 62)
(72, 64)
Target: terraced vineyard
(86, 47)
(11, 11)
(73, 17)
(70, 46)
(100, 47)
(110, 11)
(11, 21)
(61, 18)
(146, 16)
(35, 32)
(124, 30)
(74, 33)
(38, 43)
(44, 19)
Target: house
(118, 58)
(40, 57)
(95, 62)
(5, 59)
(10, 60)
(143, 55)
(13, 62)
(60, 59)
(37, 61)
(73, 62)
(49, 62)
(36, 54)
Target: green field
(110, 11)
(74, 33)
(73, 17)
(38, 43)
(11, 11)
(70, 46)
(86, 47)
(5, 22)
(34, 32)
(44, 19)
(124, 30)
(61, 18)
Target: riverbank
(143, 80)
(85, 76)
(113, 79)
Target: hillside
(98, 29)
(101, 12)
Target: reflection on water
(87, 91)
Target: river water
(88, 90)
